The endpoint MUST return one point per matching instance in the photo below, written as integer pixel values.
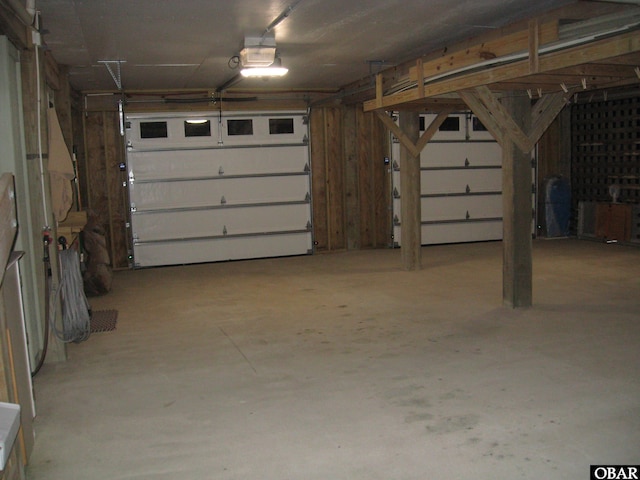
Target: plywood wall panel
(366, 180)
(319, 180)
(350, 180)
(105, 192)
(116, 192)
(95, 168)
(335, 179)
(351, 177)
(381, 171)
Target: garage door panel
(230, 191)
(176, 164)
(449, 154)
(461, 208)
(220, 221)
(462, 232)
(460, 181)
(222, 249)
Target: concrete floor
(344, 366)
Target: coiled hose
(76, 312)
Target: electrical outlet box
(9, 426)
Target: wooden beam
(505, 45)
(379, 90)
(508, 126)
(427, 135)
(397, 131)
(597, 51)
(503, 127)
(13, 28)
(544, 113)
(410, 207)
(480, 110)
(432, 129)
(517, 277)
(534, 45)
(420, 77)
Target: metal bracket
(117, 75)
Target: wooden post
(411, 214)
(516, 200)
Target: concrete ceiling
(326, 44)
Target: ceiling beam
(507, 45)
(597, 51)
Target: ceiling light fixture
(274, 70)
(258, 58)
(258, 51)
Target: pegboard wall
(605, 144)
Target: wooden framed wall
(351, 181)
(105, 190)
(374, 172)
(327, 178)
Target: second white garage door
(461, 184)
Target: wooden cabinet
(613, 221)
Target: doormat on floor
(103, 320)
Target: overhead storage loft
(543, 56)
(516, 84)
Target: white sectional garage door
(461, 184)
(214, 187)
